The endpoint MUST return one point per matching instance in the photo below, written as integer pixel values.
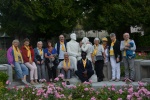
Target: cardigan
(24, 54)
(116, 48)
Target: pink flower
(119, 99)
(90, 81)
(64, 84)
(130, 90)
(93, 98)
(56, 79)
(86, 83)
(139, 98)
(61, 76)
(139, 54)
(129, 97)
(86, 89)
(120, 91)
(113, 89)
(7, 82)
(141, 83)
(137, 94)
(109, 99)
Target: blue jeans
(21, 70)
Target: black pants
(51, 72)
(99, 69)
(82, 78)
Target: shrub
(59, 91)
(3, 58)
(3, 77)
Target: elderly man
(128, 62)
(66, 66)
(84, 68)
(61, 47)
(39, 60)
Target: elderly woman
(115, 57)
(39, 60)
(98, 57)
(28, 57)
(105, 46)
(50, 55)
(15, 59)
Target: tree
(40, 17)
(117, 15)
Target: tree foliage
(38, 16)
(117, 15)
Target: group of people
(82, 59)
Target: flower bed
(59, 91)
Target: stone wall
(142, 70)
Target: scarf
(95, 50)
(63, 46)
(40, 52)
(113, 42)
(84, 63)
(28, 52)
(65, 65)
(111, 48)
(125, 43)
(17, 53)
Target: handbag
(38, 57)
(100, 57)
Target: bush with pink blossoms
(85, 91)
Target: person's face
(113, 38)
(39, 45)
(61, 38)
(49, 44)
(104, 42)
(66, 56)
(96, 42)
(26, 43)
(50, 49)
(83, 55)
(126, 36)
(16, 44)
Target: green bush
(3, 58)
(3, 77)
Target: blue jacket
(37, 53)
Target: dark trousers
(82, 78)
(51, 72)
(99, 69)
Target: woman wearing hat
(105, 46)
(28, 57)
(98, 57)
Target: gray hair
(126, 33)
(39, 42)
(112, 35)
(96, 39)
(14, 41)
(66, 53)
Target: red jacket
(24, 54)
